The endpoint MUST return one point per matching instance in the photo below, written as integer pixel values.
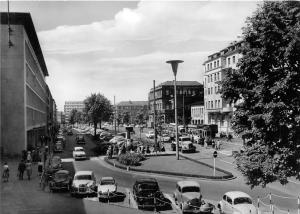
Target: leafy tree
(126, 117)
(139, 117)
(72, 117)
(98, 108)
(267, 88)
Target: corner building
(24, 92)
(218, 110)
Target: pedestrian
(5, 174)
(29, 158)
(218, 144)
(21, 169)
(40, 167)
(28, 169)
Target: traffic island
(168, 165)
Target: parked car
(55, 163)
(184, 144)
(188, 196)
(236, 202)
(58, 147)
(144, 192)
(61, 180)
(107, 188)
(80, 139)
(79, 153)
(150, 134)
(84, 183)
(105, 136)
(165, 138)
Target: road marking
(226, 162)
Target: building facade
(188, 92)
(70, 105)
(25, 105)
(133, 108)
(217, 110)
(197, 113)
(60, 117)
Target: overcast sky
(119, 48)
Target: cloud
(122, 56)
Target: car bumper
(80, 157)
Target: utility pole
(115, 115)
(183, 119)
(154, 117)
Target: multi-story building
(217, 110)
(197, 113)
(60, 117)
(188, 92)
(69, 105)
(24, 97)
(133, 108)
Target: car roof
(62, 171)
(78, 147)
(186, 183)
(236, 194)
(84, 173)
(107, 178)
(148, 180)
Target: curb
(229, 176)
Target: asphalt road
(212, 190)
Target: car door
(229, 207)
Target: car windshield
(242, 200)
(107, 182)
(83, 177)
(61, 175)
(79, 149)
(185, 139)
(148, 186)
(191, 189)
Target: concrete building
(133, 108)
(69, 105)
(217, 110)
(197, 113)
(60, 117)
(188, 92)
(25, 97)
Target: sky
(119, 48)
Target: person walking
(21, 169)
(5, 174)
(29, 158)
(28, 169)
(40, 167)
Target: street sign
(215, 154)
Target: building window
(228, 60)
(211, 90)
(215, 76)
(212, 104)
(215, 64)
(233, 59)
(219, 103)
(211, 65)
(208, 90)
(216, 104)
(218, 63)
(216, 91)
(208, 104)
(207, 66)
(218, 75)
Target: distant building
(197, 113)
(26, 102)
(69, 105)
(188, 92)
(60, 117)
(219, 111)
(133, 108)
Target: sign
(215, 154)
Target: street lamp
(174, 64)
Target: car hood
(106, 188)
(60, 180)
(245, 208)
(78, 183)
(79, 153)
(190, 195)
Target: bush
(131, 159)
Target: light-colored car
(58, 147)
(84, 183)
(107, 188)
(150, 134)
(236, 202)
(186, 144)
(79, 153)
(165, 138)
(188, 196)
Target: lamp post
(174, 64)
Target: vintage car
(84, 183)
(107, 188)
(55, 163)
(80, 139)
(165, 138)
(58, 147)
(237, 202)
(105, 136)
(146, 193)
(188, 196)
(79, 153)
(61, 180)
(187, 146)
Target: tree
(73, 116)
(267, 86)
(98, 108)
(125, 117)
(139, 117)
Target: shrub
(131, 159)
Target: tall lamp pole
(174, 64)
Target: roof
(235, 194)
(182, 83)
(149, 180)
(186, 183)
(78, 147)
(107, 178)
(132, 103)
(84, 173)
(26, 20)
